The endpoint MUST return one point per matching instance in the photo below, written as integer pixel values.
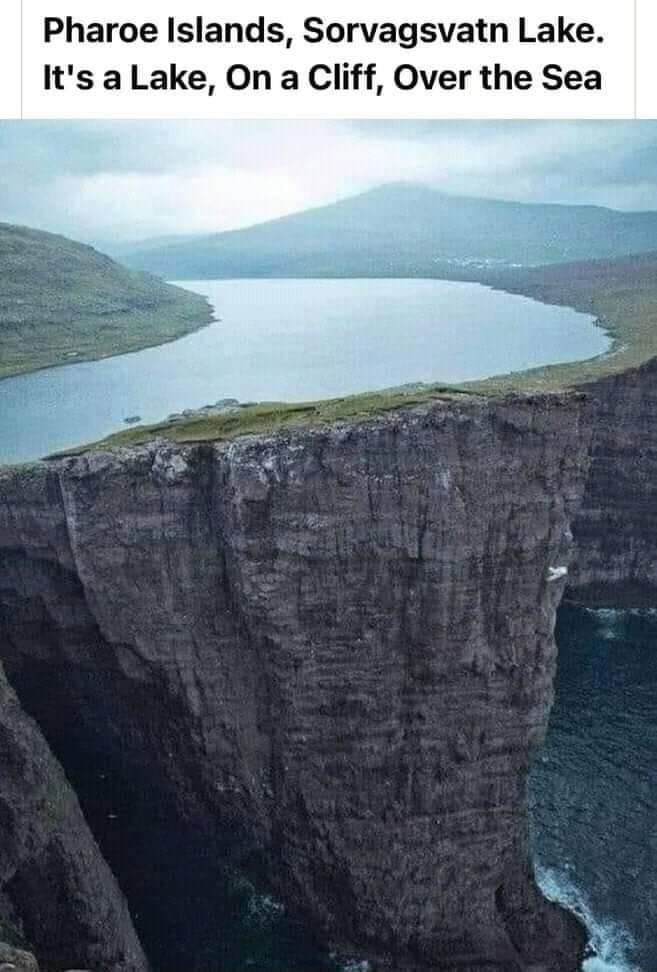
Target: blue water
(593, 806)
(594, 787)
(593, 809)
(294, 340)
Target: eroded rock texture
(335, 644)
(57, 892)
(16, 959)
(616, 529)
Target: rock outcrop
(616, 528)
(332, 648)
(16, 960)
(57, 892)
(335, 643)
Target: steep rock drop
(58, 894)
(341, 644)
(330, 650)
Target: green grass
(622, 294)
(262, 418)
(62, 302)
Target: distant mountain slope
(61, 301)
(403, 230)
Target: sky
(123, 181)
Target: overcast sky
(102, 181)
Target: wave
(612, 624)
(610, 944)
(348, 963)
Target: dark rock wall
(616, 529)
(351, 632)
(58, 893)
(333, 647)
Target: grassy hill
(406, 231)
(62, 302)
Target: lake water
(295, 340)
(594, 787)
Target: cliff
(57, 891)
(329, 650)
(616, 528)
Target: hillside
(61, 302)
(403, 230)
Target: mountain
(403, 230)
(61, 301)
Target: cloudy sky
(102, 181)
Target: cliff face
(334, 646)
(56, 890)
(616, 528)
(331, 649)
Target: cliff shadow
(194, 881)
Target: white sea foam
(612, 622)
(347, 964)
(611, 943)
(619, 614)
(264, 910)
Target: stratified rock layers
(55, 888)
(351, 629)
(616, 528)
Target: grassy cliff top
(622, 294)
(61, 302)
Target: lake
(293, 340)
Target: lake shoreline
(313, 345)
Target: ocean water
(593, 801)
(593, 790)
(610, 942)
(295, 340)
(594, 787)
(593, 804)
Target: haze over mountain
(402, 230)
